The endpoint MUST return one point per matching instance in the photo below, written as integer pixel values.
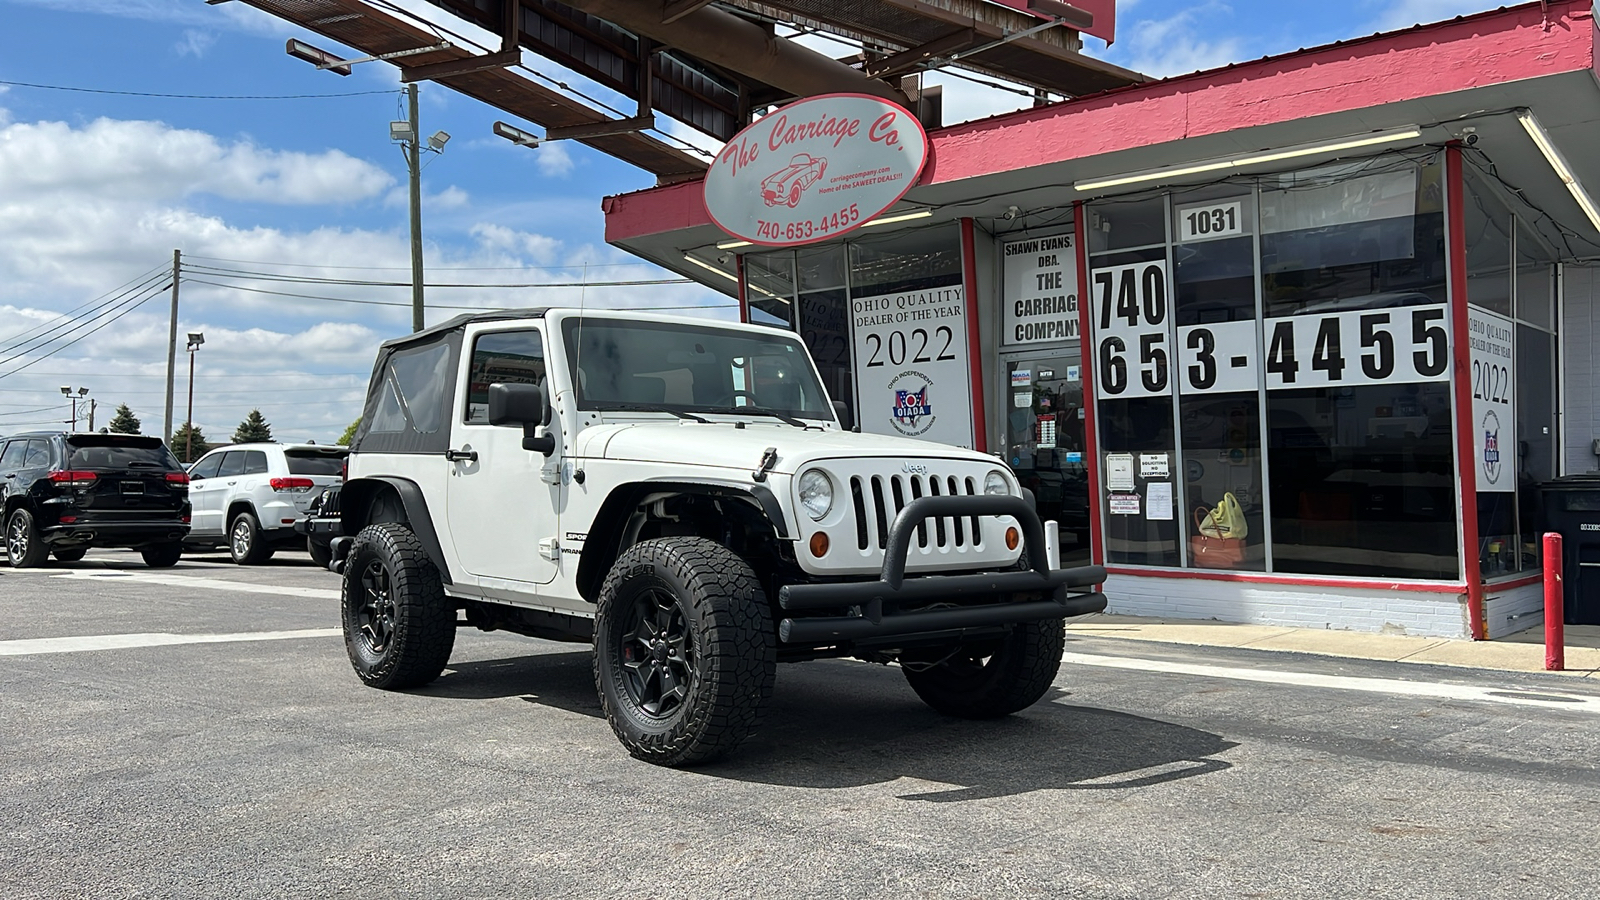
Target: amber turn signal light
(819, 544)
(1012, 538)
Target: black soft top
(443, 329)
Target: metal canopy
(706, 64)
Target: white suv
(250, 495)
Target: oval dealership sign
(815, 169)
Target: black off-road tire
(725, 656)
(321, 553)
(25, 546)
(246, 544)
(991, 679)
(162, 556)
(399, 627)
(72, 555)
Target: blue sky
(96, 190)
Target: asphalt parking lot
(190, 763)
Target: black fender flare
(599, 547)
(357, 495)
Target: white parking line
(194, 581)
(158, 639)
(1513, 696)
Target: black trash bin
(1572, 509)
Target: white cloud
(195, 42)
(553, 160)
(118, 160)
(1406, 13)
(1173, 45)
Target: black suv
(65, 493)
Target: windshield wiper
(758, 411)
(620, 406)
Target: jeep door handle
(461, 455)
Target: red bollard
(1555, 638)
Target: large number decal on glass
(1406, 344)
(1218, 357)
(1130, 317)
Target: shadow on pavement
(844, 724)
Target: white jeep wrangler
(680, 493)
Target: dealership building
(1294, 341)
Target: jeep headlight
(816, 493)
(995, 484)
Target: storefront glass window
(824, 316)
(1300, 384)
(769, 287)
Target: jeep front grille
(879, 498)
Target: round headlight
(816, 493)
(995, 483)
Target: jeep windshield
(654, 366)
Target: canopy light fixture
(919, 214)
(710, 268)
(732, 245)
(1541, 139)
(516, 135)
(1238, 162)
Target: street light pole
(196, 338)
(413, 152)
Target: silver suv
(249, 496)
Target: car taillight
(186, 518)
(73, 477)
(177, 478)
(292, 484)
(344, 469)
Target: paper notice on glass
(1022, 399)
(1119, 471)
(1124, 504)
(1158, 501)
(1154, 465)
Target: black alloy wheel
(375, 612)
(399, 627)
(657, 652)
(685, 651)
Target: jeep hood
(724, 445)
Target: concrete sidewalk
(1523, 652)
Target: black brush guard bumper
(977, 601)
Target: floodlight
(400, 130)
(66, 390)
(438, 140)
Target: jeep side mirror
(841, 411)
(521, 404)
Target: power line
(127, 309)
(262, 262)
(56, 332)
(141, 278)
(238, 287)
(216, 272)
(84, 90)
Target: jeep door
(501, 499)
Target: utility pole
(92, 403)
(413, 152)
(172, 341)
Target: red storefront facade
(1291, 342)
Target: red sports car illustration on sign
(785, 186)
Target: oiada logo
(913, 412)
(1491, 447)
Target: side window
(507, 357)
(13, 456)
(207, 468)
(38, 455)
(415, 384)
(255, 462)
(232, 464)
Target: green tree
(254, 429)
(183, 449)
(349, 433)
(124, 422)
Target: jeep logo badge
(912, 468)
